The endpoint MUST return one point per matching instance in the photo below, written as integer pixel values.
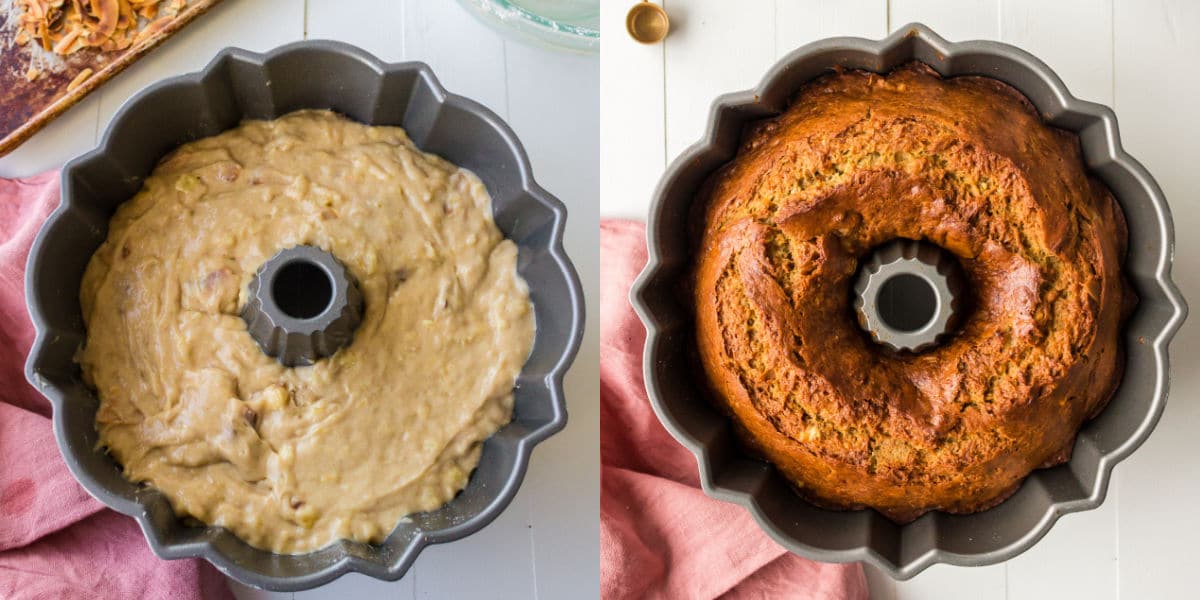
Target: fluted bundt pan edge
(992, 536)
(236, 85)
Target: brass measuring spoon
(647, 22)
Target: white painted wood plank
(947, 582)
(228, 24)
(1076, 559)
(880, 584)
(1081, 546)
(1156, 48)
(1074, 37)
(242, 592)
(632, 118)
(466, 55)
(376, 26)
(715, 47)
(552, 524)
(798, 22)
(955, 20)
(496, 562)
(470, 59)
(801, 22)
(354, 585)
(563, 488)
(1078, 556)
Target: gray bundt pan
(991, 536)
(239, 85)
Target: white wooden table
(1138, 57)
(545, 544)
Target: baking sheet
(27, 106)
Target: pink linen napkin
(56, 541)
(660, 536)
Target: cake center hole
(906, 302)
(302, 290)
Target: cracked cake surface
(858, 160)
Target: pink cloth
(56, 541)
(660, 536)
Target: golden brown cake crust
(860, 159)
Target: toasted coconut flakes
(109, 11)
(67, 26)
(63, 46)
(55, 19)
(79, 79)
(32, 74)
(35, 9)
(43, 35)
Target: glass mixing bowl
(569, 24)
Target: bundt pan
(728, 473)
(239, 85)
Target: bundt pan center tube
(909, 295)
(677, 384)
(302, 304)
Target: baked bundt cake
(859, 160)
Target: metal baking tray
(239, 85)
(674, 381)
(27, 106)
